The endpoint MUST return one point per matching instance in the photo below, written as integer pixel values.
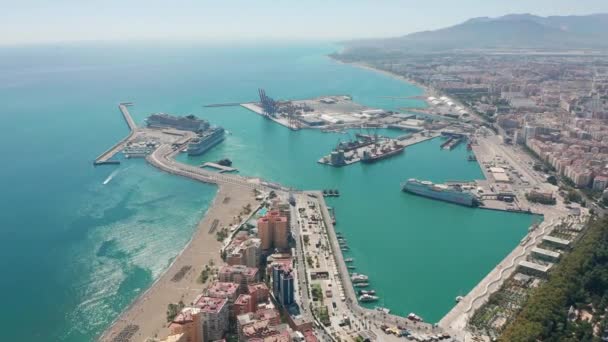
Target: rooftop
(535, 266)
(556, 240)
(546, 252)
(210, 304)
(222, 289)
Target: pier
(230, 104)
(105, 157)
(219, 167)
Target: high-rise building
(283, 284)
(259, 292)
(273, 230)
(189, 323)
(286, 291)
(229, 291)
(239, 274)
(214, 316)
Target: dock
(219, 167)
(230, 104)
(254, 107)
(104, 158)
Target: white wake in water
(114, 173)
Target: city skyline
(34, 22)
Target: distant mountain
(509, 31)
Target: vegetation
(552, 180)
(205, 274)
(322, 314)
(317, 292)
(309, 261)
(574, 196)
(306, 239)
(580, 281)
(221, 234)
(173, 309)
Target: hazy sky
(31, 21)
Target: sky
(48, 21)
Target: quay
(259, 110)
(105, 157)
(230, 104)
(219, 167)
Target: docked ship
(368, 298)
(205, 141)
(361, 284)
(452, 193)
(382, 153)
(359, 278)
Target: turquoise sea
(74, 252)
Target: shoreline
(147, 311)
(426, 90)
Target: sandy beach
(146, 316)
(427, 90)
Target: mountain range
(509, 31)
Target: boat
(361, 284)
(359, 278)
(367, 292)
(367, 298)
(224, 162)
(459, 298)
(375, 155)
(349, 260)
(383, 310)
(453, 193)
(206, 141)
(413, 317)
(472, 158)
(350, 267)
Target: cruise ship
(443, 192)
(207, 140)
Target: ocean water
(74, 252)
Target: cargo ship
(205, 141)
(382, 153)
(443, 192)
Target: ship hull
(383, 156)
(461, 199)
(202, 149)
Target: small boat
(459, 298)
(358, 278)
(367, 292)
(361, 284)
(351, 267)
(383, 310)
(367, 298)
(413, 317)
(349, 260)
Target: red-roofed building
(189, 323)
(244, 304)
(214, 313)
(239, 274)
(259, 292)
